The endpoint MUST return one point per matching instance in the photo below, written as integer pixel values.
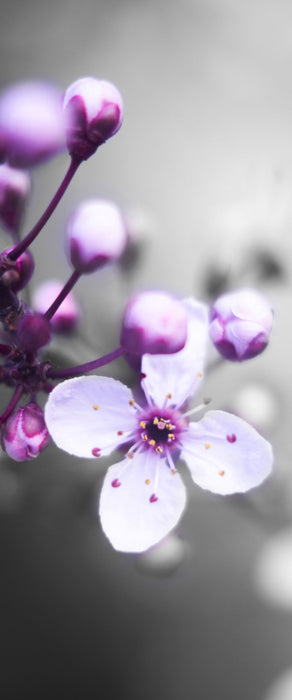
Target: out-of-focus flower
(93, 113)
(24, 434)
(143, 496)
(241, 323)
(154, 322)
(31, 123)
(14, 190)
(96, 235)
(66, 316)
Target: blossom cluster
(164, 338)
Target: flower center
(158, 431)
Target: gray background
(205, 154)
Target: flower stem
(86, 367)
(29, 238)
(62, 295)
(15, 398)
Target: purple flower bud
(67, 315)
(241, 324)
(14, 190)
(33, 331)
(93, 113)
(154, 322)
(24, 434)
(17, 273)
(96, 235)
(31, 123)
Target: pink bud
(154, 322)
(241, 324)
(31, 123)
(67, 315)
(24, 434)
(16, 273)
(14, 190)
(93, 113)
(96, 235)
(33, 331)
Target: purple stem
(29, 238)
(15, 398)
(62, 295)
(87, 366)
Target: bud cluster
(36, 123)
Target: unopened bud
(24, 434)
(33, 332)
(241, 324)
(66, 316)
(93, 113)
(16, 274)
(96, 235)
(14, 190)
(154, 322)
(31, 123)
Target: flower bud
(24, 434)
(33, 332)
(96, 235)
(16, 273)
(66, 316)
(31, 123)
(154, 322)
(14, 190)
(93, 113)
(241, 324)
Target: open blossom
(143, 496)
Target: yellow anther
(171, 436)
(158, 449)
(145, 437)
(168, 396)
(95, 406)
(207, 445)
(222, 472)
(147, 481)
(199, 374)
(152, 443)
(155, 421)
(143, 424)
(132, 402)
(169, 426)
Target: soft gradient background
(205, 159)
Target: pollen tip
(116, 483)
(153, 498)
(95, 451)
(231, 438)
(95, 407)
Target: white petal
(179, 374)
(225, 454)
(141, 501)
(90, 413)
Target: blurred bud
(67, 315)
(96, 235)
(24, 434)
(93, 113)
(33, 331)
(31, 123)
(17, 273)
(241, 324)
(154, 322)
(14, 190)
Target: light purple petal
(90, 416)
(141, 501)
(179, 374)
(225, 454)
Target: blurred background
(203, 165)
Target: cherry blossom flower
(143, 496)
